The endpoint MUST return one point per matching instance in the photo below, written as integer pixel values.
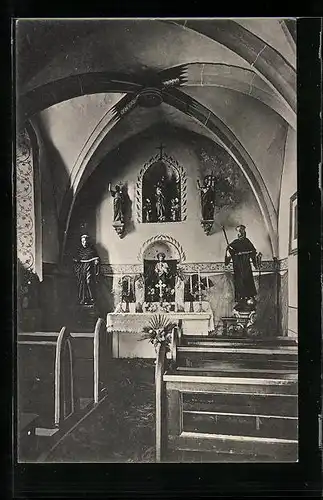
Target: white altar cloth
(198, 323)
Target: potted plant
(159, 331)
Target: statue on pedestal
(179, 294)
(86, 267)
(139, 292)
(160, 202)
(118, 209)
(207, 197)
(242, 252)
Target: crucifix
(160, 285)
(161, 150)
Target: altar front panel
(127, 330)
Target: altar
(127, 330)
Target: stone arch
(180, 177)
(163, 239)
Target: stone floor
(122, 429)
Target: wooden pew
(92, 352)
(46, 384)
(223, 416)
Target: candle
(121, 279)
(207, 282)
(191, 284)
(128, 285)
(200, 291)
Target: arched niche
(162, 243)
(173, 255)
(161, 191)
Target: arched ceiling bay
(273, 33)
(232, 80)
(130, 46)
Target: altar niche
(161, 194)
(160, 278)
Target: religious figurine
(175, 209)
(147, 210)
(139, 292)
(162, 268)
(86, 267)
(118, 205)
(160, 202)
(242, 252)
(179, 294)
(118, 209)
(207, 192)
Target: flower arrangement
(165, 307)
(149, 307)
(159, 331)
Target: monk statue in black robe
(86, 267)
(242, 253)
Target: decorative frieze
(283, 264)
(187, 268)
(125, 269)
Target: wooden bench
(223, 416)
(45, 371)
(92, 352)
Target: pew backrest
(99, 351)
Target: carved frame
(166, 239)
(181, 175)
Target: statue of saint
(207, 197)
(175, 209)
(242, 252)
(118, 203)
(161, 268)
(160, 202)
(86, 267)
(147, 210)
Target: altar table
(127, 329)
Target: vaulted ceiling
(88, 85)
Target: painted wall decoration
(221, 185)
(25, 201)
(161, 190)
